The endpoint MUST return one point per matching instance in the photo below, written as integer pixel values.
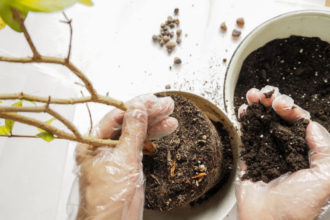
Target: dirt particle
(178, 40)
(166, 39)
(154, 38)
(240, 22)
(224, 60)
(223, 27)
(236, 34)
(177, 61)
(178, 32)
(176, 11)
(168, 86)
(170, 45)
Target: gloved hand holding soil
(285, 159)
(111, 179)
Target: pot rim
(255, 30)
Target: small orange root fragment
(173, 169)
(199, 175)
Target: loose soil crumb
(271, 146)
(177, 61)
(240, 22)
(223, 27)
(299, 66)
(188, 163)
(236, 34)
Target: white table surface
(112, 45)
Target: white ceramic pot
(220, 204)
(303, 23)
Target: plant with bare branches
(43, 104)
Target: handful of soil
(188, 163)
(272, 146)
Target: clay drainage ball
(188, 163)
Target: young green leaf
(18, 104)
(28, 100)
(47, 136)
(0, 101)
(9, 124)
(47, 122)
(4, 130)
(2, 23)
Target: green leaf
(2, 23)
(4, 130)
(44, 5)
(47, 122)
(50, 121)
(86, 2)
(9, 124)
(18, 104)
(0, 101)
(47, 136)
(7, 16)
(28, 100)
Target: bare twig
(54, 60)
(40, 109)
(90, 116)
(98, 99)
(59, 133)
(69, 22)
(18, 17)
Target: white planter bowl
(303, 23)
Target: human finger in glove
(111, 179)
(300, 195)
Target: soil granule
(187, 164)
(299, 66)
(272, 146)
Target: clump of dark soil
(299, 66)
(227, 164)
(272, 146)
(188, 163)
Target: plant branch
(90, 116)
(59, 133)
(18, 17)
(69, 22)
(98, 99)
(40, 109)
(54, 60)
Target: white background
(112, 45)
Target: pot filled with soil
(192, 173)
(290, 51)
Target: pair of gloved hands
(111, 179)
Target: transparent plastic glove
(111, 179)
(300, 195)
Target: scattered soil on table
(187, 164)
(299, 66)
(272, 146)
